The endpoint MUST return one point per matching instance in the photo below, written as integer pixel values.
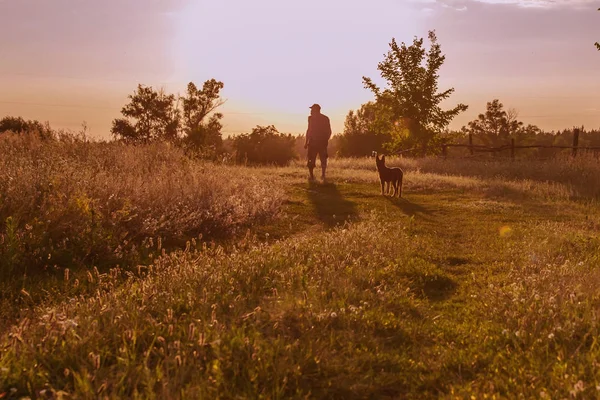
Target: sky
(71, 62)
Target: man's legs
(312, 156)
(323, 156)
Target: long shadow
(330, 206)
(407, 206)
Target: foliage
(189, 120)
(78, 204)
(444, 294)
(496, 126)
(197, 105)
(365, 131)
(264, 145)
(20, 125)
(412, 94)
(149, 116)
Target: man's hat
(318, 107)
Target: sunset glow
(68, 62)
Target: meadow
(136, 272)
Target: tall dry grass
(580, 174)
(70, 202)
(563, 176)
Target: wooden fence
(473, 148)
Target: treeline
(365, 131)
(405, 116)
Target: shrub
(264, 145)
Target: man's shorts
(313, 150)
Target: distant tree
(200, 130)
(366, 130)
(264, 145)
(496, 125)
(150, 115)
(20, 125)
(412, 95)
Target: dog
(389, 176)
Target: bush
(265, 145)
(20, 125)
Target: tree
(155, 116)
(496, 126)
(365, 131)
(412, 95)
(197, 105)
(264, 145)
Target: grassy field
(481, 282)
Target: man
(317, 138)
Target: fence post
(512, 149)
(575, 141)
(471, 143)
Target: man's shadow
(329, 204)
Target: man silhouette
(317, 138)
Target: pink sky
(68, 61)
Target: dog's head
(380, 161)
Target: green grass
(465, 288)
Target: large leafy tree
(365, 131)
(412, 95)
(202, 129)
(150, 115)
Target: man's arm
(308, 132)
(328, 129)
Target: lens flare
(505, 231)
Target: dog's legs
(382, 186)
